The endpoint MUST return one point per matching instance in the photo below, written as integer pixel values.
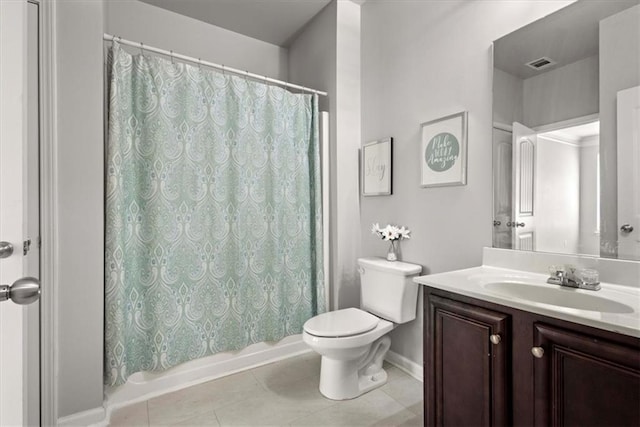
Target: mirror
(566, 150)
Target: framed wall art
(376, 167)
(443, 151)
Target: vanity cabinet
(490, 365)
(470, 365)
(580, 380)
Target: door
(502, 188)
(629, 173)
(584, 381)
(19, 214)
(525, 143)
(466, 361)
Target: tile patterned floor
(284, 393)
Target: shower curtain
(213, 237)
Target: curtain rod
(223, 68)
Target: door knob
(626, 228)
(23, 291)
(537, 352)
(6, 249)
(495, 339)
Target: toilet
(354, 341)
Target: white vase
(392, 253)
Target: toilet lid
(341, 323)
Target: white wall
(619, 69)
(562, 93)
(421, 61)
(79, 313)
(557, 196)
(589, 240)
(161, 28)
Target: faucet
(569, 276)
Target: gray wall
(619, 69)
(326, 56)
(346, 233)
(158, 27)
(562, 93)
(312, 57)
(421, 61)
(80, 214)
(507, 98)
(559, 94)
(313, 63)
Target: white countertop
(472, 282)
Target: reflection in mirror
(566, 163)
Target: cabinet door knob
(537, 352)
(495, 338)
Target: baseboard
(82, 419)
(406, 365)
(144, 386)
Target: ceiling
(566, 36)
(272, 21)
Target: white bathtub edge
(202, 370)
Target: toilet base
(369, 382)
(339, 380)
(348, 379)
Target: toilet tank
(387, 289)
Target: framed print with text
(443, 151)
(376, 167)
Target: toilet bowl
(347, 352)
(353, 341)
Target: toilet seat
(341, 323)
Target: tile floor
(283, 393)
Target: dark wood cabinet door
(465, 373)
(583, 381)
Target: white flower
(375, 229)
(391, 232)
(404, 233)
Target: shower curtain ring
(171, 56)
(141, 48)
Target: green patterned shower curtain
(213, 235)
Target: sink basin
(558, 296)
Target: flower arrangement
(392, 234)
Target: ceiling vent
(540, 63)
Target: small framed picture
(443, 151)
(376, 167)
